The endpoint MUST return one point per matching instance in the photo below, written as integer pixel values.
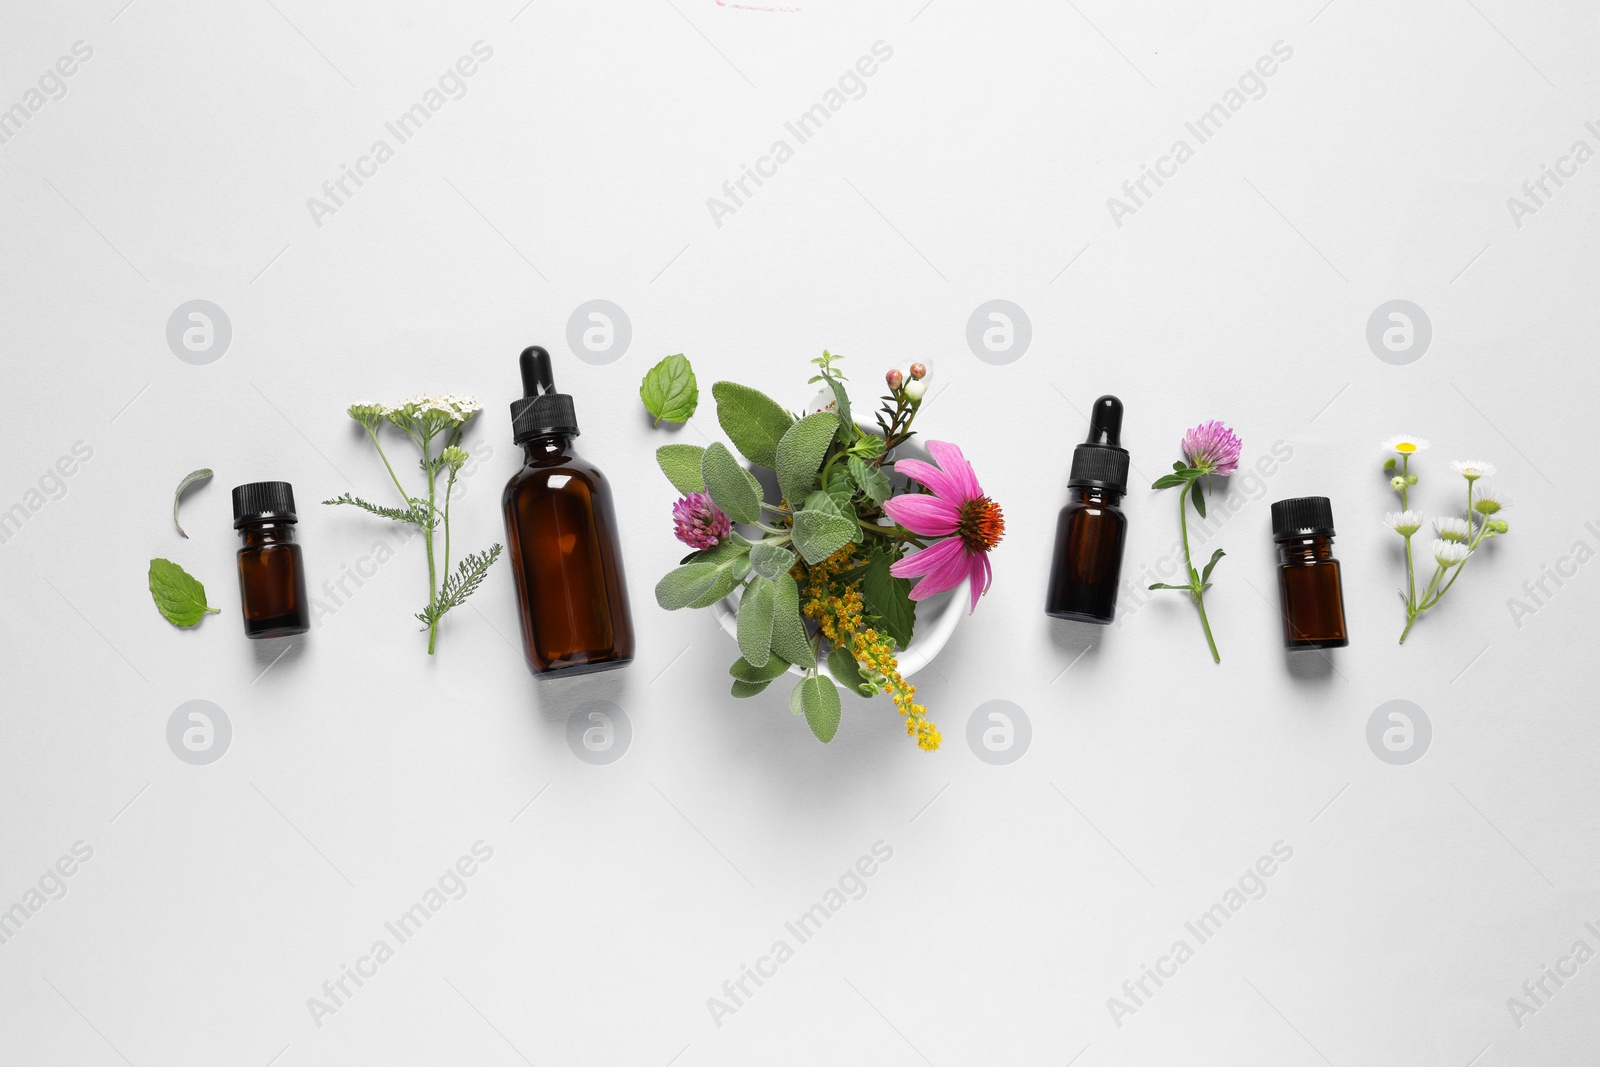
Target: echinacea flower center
(981, 525)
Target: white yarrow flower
(1473, 469)
(1404, 523)
(1449, 553)
(1452, 529)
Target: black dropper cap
(263, 502)
(1302, 516)
(1101, 461)
(542, 412)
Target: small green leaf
(818, 534)
(889, 599)
(769, 560)
(669, 390)
(870, 479)
(846, 671)
(1179, 465)
(817, 698)
(789, 638)
(188, 479)
(179, 596)
(1197, 494)
(756, 609)
(869, 446)
(733, 489)
(1167, 481)
(800, 453)
(681, 464)
(1206, 574)
(1163, 585)
(752, 420)
(745, 689)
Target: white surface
(620, 897)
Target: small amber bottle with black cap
(1091, 529)
(1311, 595)
(272, 572)
(562, 532)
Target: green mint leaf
(847, 424)
(818, 535)
(789, 637)
(889, 599)
(752, 420)
(681, 464)
(669, 390)
(800, 451)
(756, 608)
(817, 698)
(188, 479)
(179, 596)
(873, 483)
(846, 671)
(732, 488)
(870, 446)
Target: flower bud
(1397, 483)
(915, 389)
(894, 378)
(1388, 464)
(1411, 479)
(918, 372)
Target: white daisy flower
(1405, 444)
(1449, 553)
(1473, 469)
(1452, 529)
(1404, 523)
(1488, 501)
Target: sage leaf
(789, 637)
(669, 390)
(192, 478)
(745, 671)
(846, 671)
(681, 464)
(733, 489)
(752, 420)
(818, 535)
(769, 560)
(889, 599)
(756, 609)
(800, 451)
(817, 698)
(744, 689)
(179, 596)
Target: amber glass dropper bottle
(1091, 529)
(562, 532)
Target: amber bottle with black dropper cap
(562, 533)
(272, 572)
(1091, 530)
(1310, 593)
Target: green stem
(433, 581)
(405, 498)
(1411, 574)
(1196, 590)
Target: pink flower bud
(918, 372)
(894, 378)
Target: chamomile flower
(1489, 501)
(1473, 469)
(1404, 523)
(1450, 553)
(1405, 444)
(1452, 529)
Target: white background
(977, 166)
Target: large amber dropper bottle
(562, 532)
